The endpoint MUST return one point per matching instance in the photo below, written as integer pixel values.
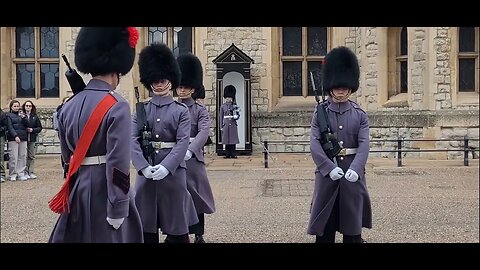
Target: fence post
(265, 153)
(399, 152)
(465, 149)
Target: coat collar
(162, 100)
(99, 85)
(189, 101)
(339, 107)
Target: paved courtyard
(422, 202)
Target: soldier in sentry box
(227, 120)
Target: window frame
(37, 61)
(469, 55)
(304, 58)
(399, 59)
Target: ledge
(416, 119)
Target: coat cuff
(326, 167)
(118, 209)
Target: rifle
(328, 140)
(74, 79)
(142, 126)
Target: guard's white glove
(148, 172)
(351, 176)
(115, 222)
(160, 173)
(236, 117)
(188, 155)
(336, 174)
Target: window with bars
(302, 51)
(468, 59)
(36, 62)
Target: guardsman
(227, 117)
(197, 179)
(96, 202)
(161, 188)
(340, 198)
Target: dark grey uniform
(101, 190)
(166, 203)
(197, 179)
(228, 124)
(350, 123)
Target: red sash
(60, 202)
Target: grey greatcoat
(197, 179)
(166, 203)
(350, 123)
(101, 190)
(229, 126)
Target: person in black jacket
(17, 142)
(34, 126)
(3, 129)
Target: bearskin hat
(103, 50)
(341, 70)
(229, 91)
(199, 94)
(157, 62)
(192, 71)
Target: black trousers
(174, 239)
(151, 238)
(231, 151)
(155, 238)
(332, 227)
(199, 228)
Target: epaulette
(114, 94)
(180, 103)
(356, 106)
(200, 104)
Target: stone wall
(369, 71)
(295, 127)
(442, 70)
(386, 122)
(417, 50)
(252, 42)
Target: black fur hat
(192, 71)
(229, 91)
(102, 50)
(157, 62)
(341, 70)
(199, 94)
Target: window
(402, 61)
(397, 61)
(179, 39)
(36, 62)
(468, 59)
(302, 51)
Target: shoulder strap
(59, 203)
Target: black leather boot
(199, 239)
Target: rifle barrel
(317, 99)
(66, 61)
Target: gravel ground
(256, 205)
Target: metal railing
(399, 149)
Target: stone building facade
(415, 83)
